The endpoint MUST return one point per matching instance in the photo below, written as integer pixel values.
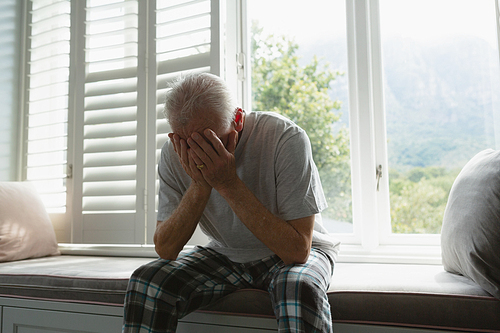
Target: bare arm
(171, 235)
(290, 240)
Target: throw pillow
(470, 237)
(25, 227)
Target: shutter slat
(109, 144)
(104, 174)
(111, 75)
(109, 188)
(108, 87)
(110, 130)
(111, 115)
(182, 64)
(184, 25)
(114, 101)
(109, 204)
(53, 158)
(109, 159)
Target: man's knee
(149, 274)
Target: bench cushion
(382, 294)
(84, 279)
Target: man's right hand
(189, 161)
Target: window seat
(363, 297)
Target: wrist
(231, 190)
(200, 190)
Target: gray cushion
(76, 279)
(422, 296)
(470, 237)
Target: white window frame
(371, 240)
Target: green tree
(419, 198)
(300, 93)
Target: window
(97, 75)
(393, 112)
(442, 98)
(299, 71)
(418, 108)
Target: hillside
(440, 98)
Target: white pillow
(25, 227)
(470, 238)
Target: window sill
(391, 254)
(111, 250)
(394, 254)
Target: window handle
(378, 175)
(69, 171)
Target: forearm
(172, 234)
(280, 236)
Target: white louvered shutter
(46, 127)
(123, 53)
(183, 45)
(109, 189)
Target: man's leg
(163, 291)
(298, 294)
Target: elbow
(298, 257)
(166, 252)
(164, 248)
(301, 258)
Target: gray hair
(197, 95)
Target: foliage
(418, 199)
(300, 93)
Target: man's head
(198, 96)
(201, 101)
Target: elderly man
(250, 183)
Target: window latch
(378, 175)
(69, 171)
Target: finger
(192, 163)
(202, 148)
(184, 152)
(232, 141)
(172, 140)
(177, 143)
(197, 161)
(216, 143)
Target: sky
(312, 20)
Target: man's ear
(239, 119)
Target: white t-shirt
(274, 160)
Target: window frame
(371, 240)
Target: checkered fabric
(161, 292)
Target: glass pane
(299, 64)
(442, 94)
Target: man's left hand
(219, 162)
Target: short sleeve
(299, 190)
(169, 194)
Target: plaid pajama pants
(161, 292)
